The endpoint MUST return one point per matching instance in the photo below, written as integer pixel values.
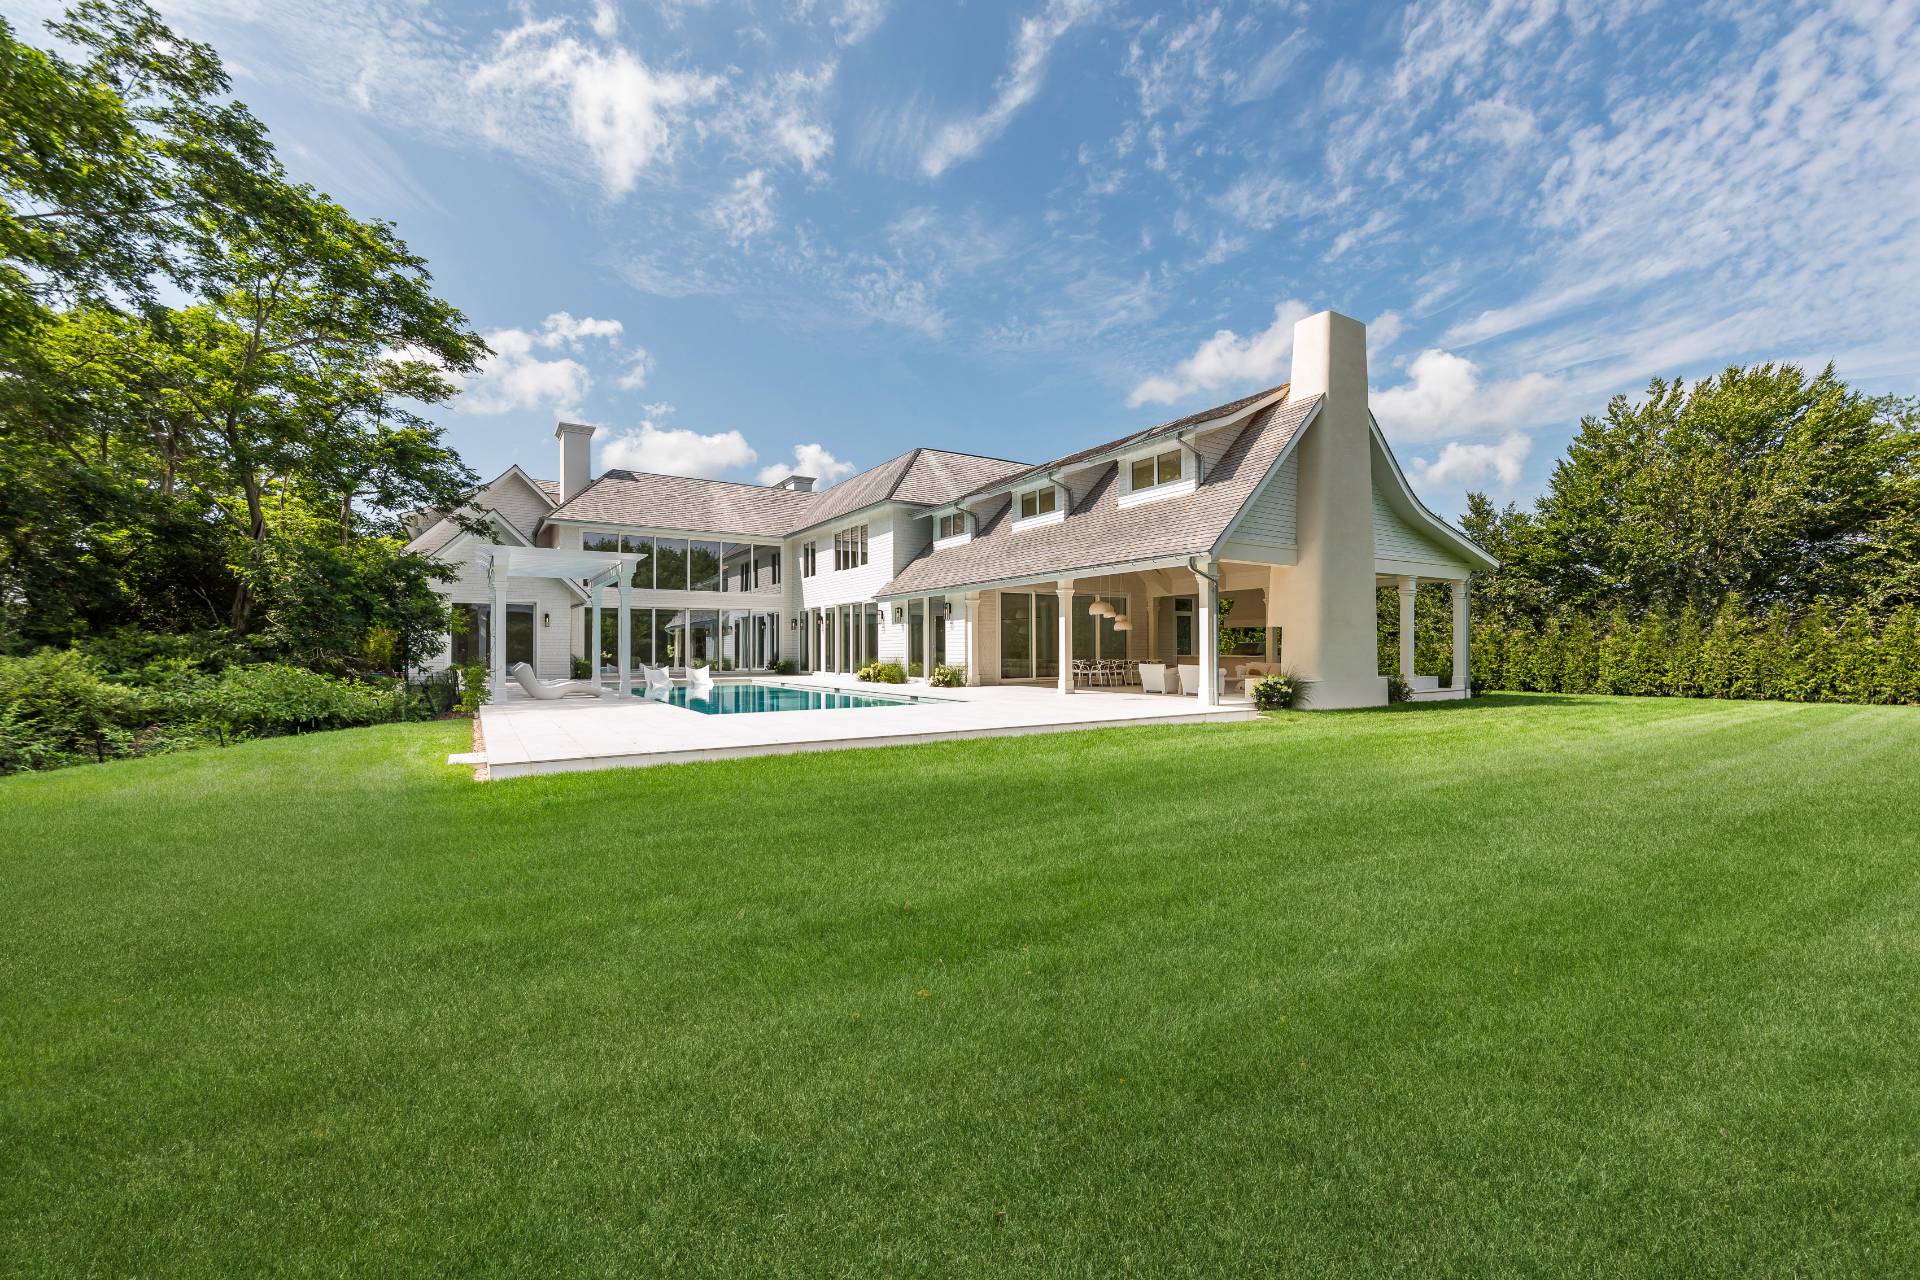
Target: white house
(1286, 502)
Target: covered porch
(596, 570)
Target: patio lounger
(700, 680)
(1190, 680)
(1153, 677)
(658, 682)
(524, 677)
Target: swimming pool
(745, 697)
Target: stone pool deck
(522, 736)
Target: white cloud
(676, 451)
(1228, 360)
(809, 460)
(1496, 120)
(639, 368)
(780, 117)
(624, 112)
(858, 19)
(747, 210)
(515, 376)
(561, 327)
(606, 19)
(1461, 464)
(961, 140)
(1384, 331)
(1446, 394)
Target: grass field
(1532, 985)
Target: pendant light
(1100, 608)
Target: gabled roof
(444, 529)
(922, 477)
(1131, 440)
(1097, 533)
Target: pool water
(741, 697)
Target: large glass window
(670, 557)
(809, 560)
(703, 638)
(469, 634)
(703, 566)
(640, 639)
(952, 525)
(520, 627)
(850, 547)
(736, 640)
(599, 540)
(1183, 622)
(916, 632)
(668, 627)
(766, 567)
(1016, 636)
(736, 566)
(641, 548)
(1095, 637)
(937, 607)
(1038, 502)
(872, 612)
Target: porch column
(1209, 642)
(927, 623)
(1409, 589)
(972, 604)
(593, 644)
(1063, 592)
(625, 656)
(497, 626)
(1461, 636)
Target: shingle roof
(1127, 441)
(1097, 532)
(920, 476)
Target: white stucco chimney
(576, 457)
(796, 484)
(1325, 602)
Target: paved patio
(523, 736)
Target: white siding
(523, 505)
(553, 644)
(1213, 446)
(1270, 518)
(1394, 539)
(832, 586)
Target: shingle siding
(1395, 539)
(1270, 518)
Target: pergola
(596, 569)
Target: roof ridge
(627, 473)
(912, 456)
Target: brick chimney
(576, 458)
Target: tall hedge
(1812, 657)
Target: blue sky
(738, 235)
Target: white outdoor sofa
(523, 676)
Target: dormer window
(1038, 502)
(951, 525)
(1161, 474)
(1161, 468)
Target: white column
(927, 623)
(972, 626)
(497, 626)
(1461, 635)
(593, 645)
(625, 656)
(1063, 592)
(1209, 639)
(1409, 591)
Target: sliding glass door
(1029, 635)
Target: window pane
(670, 555)
(1029, 504)
(642, 549)
(1169, 466)
(1016, 636)
(469, 632)
(1083, 632)
(1113, 644)
(703, 637)
(938, 606)
(1044, 500)
(736, 565)
(665, 637)
(640, 639)
(520, 626)
(703, 566)
(595, 540)
(873, 632)
(1143, 474)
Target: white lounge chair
(659, 683)
(700, 681)
(536, 688)
(1190, 680)
(1153, 677)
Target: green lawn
(1532, 985)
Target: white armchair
(700, 680)
(1190, 679)
(1153, 677)
(659, 684)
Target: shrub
(59, 709)
(1398, 690)
(786, 667)
(267, 699)
(945, 677)
(473, 689)
(915, 671)
(882, 673)
(581, 669)
(1280, 690)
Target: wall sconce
(793, 624)
(899, 614)
(546, 619)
